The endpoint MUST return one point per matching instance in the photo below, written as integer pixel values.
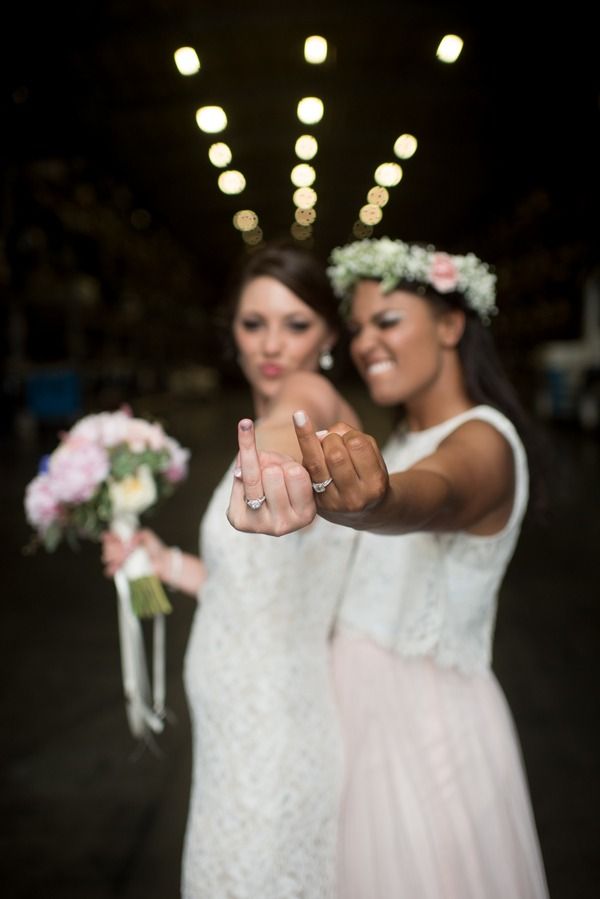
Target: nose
(272, 341)
(363, 341)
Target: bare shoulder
(476, 460)
(315, 393)
(480, 441)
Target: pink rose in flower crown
(77, 468)
(42, 507)
(443, 274)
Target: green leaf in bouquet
(72, 539)
(123, 462)
(156, 460)
(103, 505)
(52, 537)
(85, 521)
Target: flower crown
(392, 261)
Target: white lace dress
(267, 754)
(435, 803)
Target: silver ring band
(321, 486)
(255, 504)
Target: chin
(383, 397)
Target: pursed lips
(271, 370)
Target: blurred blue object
(54, 394)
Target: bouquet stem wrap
(145, 705)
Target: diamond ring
(255, 504)
(321, 486)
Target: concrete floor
(86, 817)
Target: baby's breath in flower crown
(393, 261)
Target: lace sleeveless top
(267, 756)
(435, 594)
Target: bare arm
(467, 484)
(301, 390)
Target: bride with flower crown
(435, 801)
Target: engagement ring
(321, 486)
(255, 504)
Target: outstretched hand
(277, 486)
(352, 464)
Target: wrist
(172, 566)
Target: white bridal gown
(435, 800)
(267, 755)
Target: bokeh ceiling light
(315, 49)
(231, 182)
(305, 197)
(310, 110)
(245, 220)
(252, 237)
(378, 196)
(301, 232)
(360, 230)
(211, 119)
(370, 214)
(449, 48)
(306, 147)
(388, 174)
(405, 146)
(220, 155)
(186, 60)
(303, 175)
(305, 216)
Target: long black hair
(487, 383)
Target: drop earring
(326, 360)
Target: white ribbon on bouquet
(145, 704)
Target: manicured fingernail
(300, 418)
(246, 424)
(321, 434)
(237, 472)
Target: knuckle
(357, 442)
(335, 458)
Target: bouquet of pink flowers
(106, 471)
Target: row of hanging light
(310, 110)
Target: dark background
(115, 246)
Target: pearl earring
(326, 360)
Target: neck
(262, 405)
(444, 398)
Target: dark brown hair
(296, 268)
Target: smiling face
(398, 344)
(276, 333)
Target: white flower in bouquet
(134, 494)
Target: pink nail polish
(246, 424)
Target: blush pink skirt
(435, 803)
